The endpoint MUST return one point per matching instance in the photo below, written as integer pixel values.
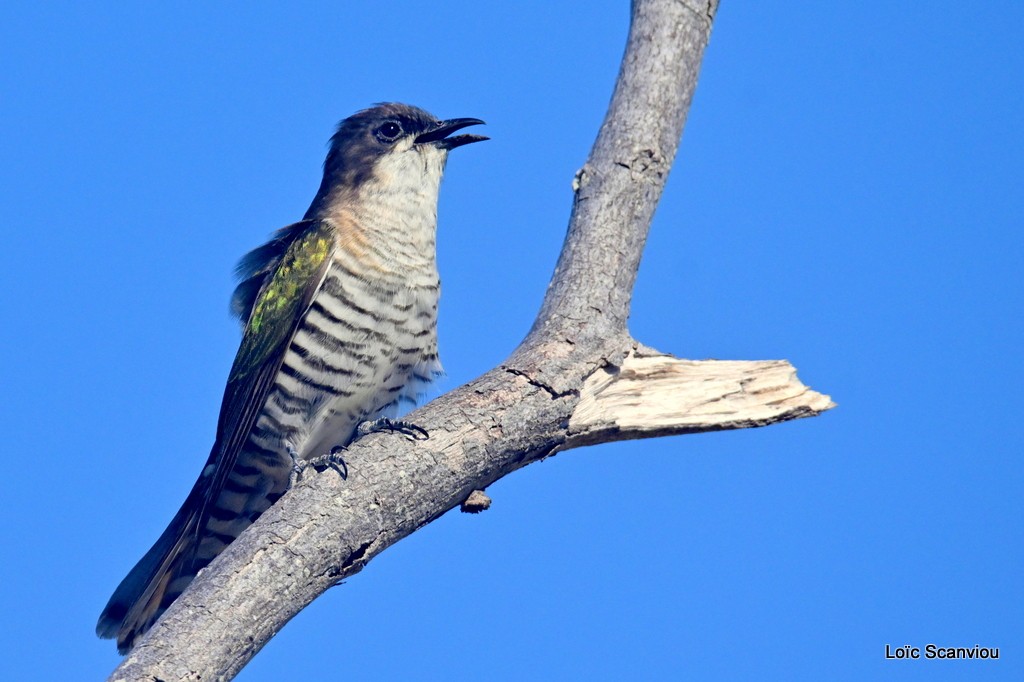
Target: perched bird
(340, 325)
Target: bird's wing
(258, 265)
(289, 283)
(288, 271)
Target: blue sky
(848, 196)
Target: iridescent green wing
(290, 279)
(257, 266)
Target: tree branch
(577, 379)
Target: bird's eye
(389, 131)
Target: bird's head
(392, 145)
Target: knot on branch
(357, 557)
(477, 502)
(647, 165)
(579, 179)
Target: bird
(339, 326)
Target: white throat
(398, 203)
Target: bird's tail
(157, 580)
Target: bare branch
(577, 379)
(619, 187)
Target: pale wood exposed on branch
(577, 379)
(652, 394)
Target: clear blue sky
(848, 196)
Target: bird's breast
(366, 344)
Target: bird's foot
(395, 425)
(298, 466)
(333, 459)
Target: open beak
(439, 133)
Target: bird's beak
(439, 133)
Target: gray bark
(577, 379)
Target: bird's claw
(333, 459)
(396, 425)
